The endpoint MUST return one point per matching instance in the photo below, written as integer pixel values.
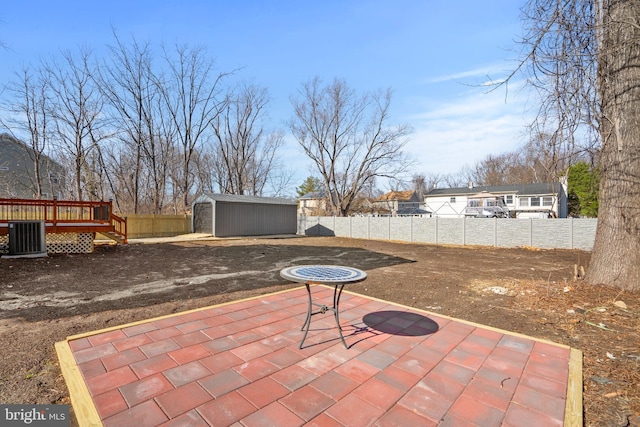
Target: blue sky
(434, 55)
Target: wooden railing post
(55, 211)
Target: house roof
(412, 211)
(314, 195)
(8, 142)
(519, 189)
(235, 198)
(402, 196)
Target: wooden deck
(65, 216)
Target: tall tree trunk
(616, 254)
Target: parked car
(486, 205)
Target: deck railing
(64, 215)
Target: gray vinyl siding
(203, 218)
(246, 219)
(17, 172)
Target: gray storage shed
(226, 215)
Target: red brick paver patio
(239, 364)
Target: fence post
(436, 227)
(464, 231)
(571, 234)
(411, 229)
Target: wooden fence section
(142, 226)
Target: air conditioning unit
(27, 238)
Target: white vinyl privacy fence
(562, 233)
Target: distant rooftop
(314, 195)
(402, 196)
(520, 189)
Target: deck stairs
(115, 236)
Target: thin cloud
(484, 72)
(462, 132)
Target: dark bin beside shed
(226, 215)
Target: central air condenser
(27, 238)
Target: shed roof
(236, 198)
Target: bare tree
(492, 170)
(246, 150)
(77, 112)
(192, 97)
(420, 185)
(562, 51)
(584, 55)
(460, 179)
(129, 86)
(347, 137)
(160, 154)
(431, 181)
(538, 161)
(144, 125)
(31, 119)
(279, 180)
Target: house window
(473, 203)
(524, 201)
(535, 201)
(547, 201)
(509, 199)
(452, 200)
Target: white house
(314, 203)
(548, 200)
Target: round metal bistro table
(326, 275)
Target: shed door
(203, 218)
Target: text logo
(34, 415)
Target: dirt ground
(523, 290)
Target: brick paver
(240, 363)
